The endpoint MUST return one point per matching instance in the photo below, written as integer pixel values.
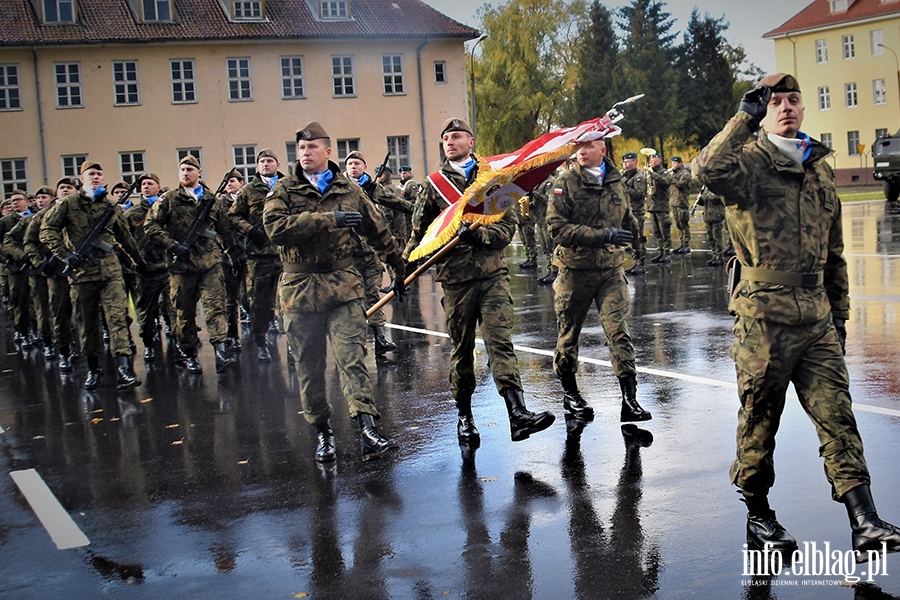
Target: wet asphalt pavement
(204, 486)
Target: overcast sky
(749, 19)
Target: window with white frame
(851, 98)
(13, 175)
(239, 84)
(825, 138)
(290, 151)
(849, 46)
(184, 85)
(852, 143)
(392, 71)
(245, 160)
(9, 88)
(196, 152)
(71, 164)
(292, 77)
(879, 92)
(131, 165)
(68, 85)
(821, 51)
(157, 10)
(877, 38)
(345, 147)
(125, 83)
(399, 148)
(59, 11)
(440, 71)
(342, 76)
(880, 133)
(334, 9)
(247, 10)
(824, 98)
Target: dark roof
(112, 21)
(818, 14)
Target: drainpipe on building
(40, 111)
(422, 101)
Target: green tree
(706, 90)
(646, 63)
(525, 75)
(596, 82)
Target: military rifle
(198, 227)
(93, 241)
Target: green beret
(406, 168)
(676, 159)
(381, 169)
(630, 155)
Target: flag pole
(418, 272)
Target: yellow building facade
(137, 107)
(844, 55)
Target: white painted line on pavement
(1, 429)
(657, 372)
(62, 529)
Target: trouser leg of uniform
(185, 292)
(166, 308)
(547, 245)
(526, 232)
(497, 317)
(347, 336)
(823, 387)
(306, 333)
(115, 307)
(131, 283)
(461, 310)
(639, 243)
(58, 289)
(573, 295)
(232, 293)
(86, 298)
(399, 229)
(682, 218)
(613, 303)
(212, 295)
(262, 281)
(714, 231)
(372, 271)
(19, 301)
(662, 229)
(149, 291)
(41, 296)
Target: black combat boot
(631, 410)
(637, 268)
(262, 349)
(65, 361)
(382, 344)
(49, 348)
(371, 443)
(94, 373)
(523, 422)
(325, 451)
(466, 432)
(224, 359)
(763, 528)
(529, 265)
(149, 351)
(682, 249)
(126, 377)
(190, 360)
(573, 403)
(868, 531)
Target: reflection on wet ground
(204, 486)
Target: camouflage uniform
(714, 217)
(521, 212)
(590, 273)
(16, 263)
(322, 292)
(263, 264)
(475, 280)
(659, 208)
(98, 281)
(539, 202)
(235, 274)
(59, 301)
(681, 208)
(201, 276)
(37, 280)
(635, 183)
(152, 288)
(785, 220)
(402, 223)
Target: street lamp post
(472, 76)
(897, 63)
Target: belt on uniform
(761, 275)
(322, 267)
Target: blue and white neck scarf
(464, 169)
(196, 193)
(320, 180)
(151, 199)
(270, 181)
(599, 173)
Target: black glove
(467, 236)
(756, 102)
(259, 237)
(73, 261)
(181, 251)
(840, 326)
(617, 237)
(398, 287)
(347, 218)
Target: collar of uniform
(781, 162)
(612, 174)
(446, 168)
(337, 177)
